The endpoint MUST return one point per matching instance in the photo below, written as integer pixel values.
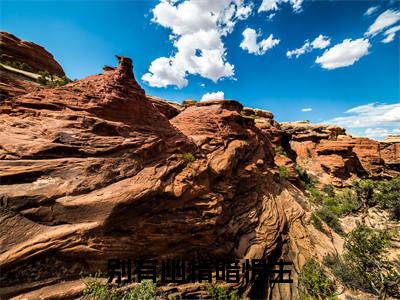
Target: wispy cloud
(371, 10)
(307, 109)
(320, 42)
(390, 34)
(375, 119)
(383, 21)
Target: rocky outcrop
(168, 109)
(393, 138)
(306, 131)
(35, 56)
(93, 170)
(329, 154)
(15, 84)
(97, 169)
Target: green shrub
(43, 77)
(279, 150)
(306, 181)
(145, 290)
(387, 196)
(188, 158)
(96, 290)
(315, 195)
(364, 189)
(364, 264)
(17, 65)
(328, 190)
(220, 292)
(50, 80)
(342, 203)
(326, 214)
(316, 221)
(340, 270)
(314, 283)
(283, 173)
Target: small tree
(43, 77)
(387, 195)
(314, 282)
(365, 263)
(365, 190)
(283, 173)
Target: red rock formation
(15, 84)
(168, 109)
(96, 169)
(93, 170)
(334, 157)
(326, 152)
(35, 56)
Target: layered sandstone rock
(168, 109)
(334, 157)
(15, 84)
(93, 170)
(35, 56)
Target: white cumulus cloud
(250, 43)
(344, 54)
(384, 20)
(197, 29)
(371, 10)
(272, 5)
(213, 96)
(307, 109)
(319, 42)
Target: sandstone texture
(331, 155)
(97, 169)
(94, 170)
(15, 83)
(35, 56)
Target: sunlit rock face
(94, 170)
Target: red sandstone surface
(98, 169)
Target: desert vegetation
(314, 282)
(364, 264)
(16, 65)
(363, 194)
(96, 289)
(51, 80)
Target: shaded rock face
(93, 170)
(14, 84)
(168, 109)
(390, 153)
(38, 58)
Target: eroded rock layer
(94, 170)
(35, 56)
(328, 153)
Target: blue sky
(349, 76)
